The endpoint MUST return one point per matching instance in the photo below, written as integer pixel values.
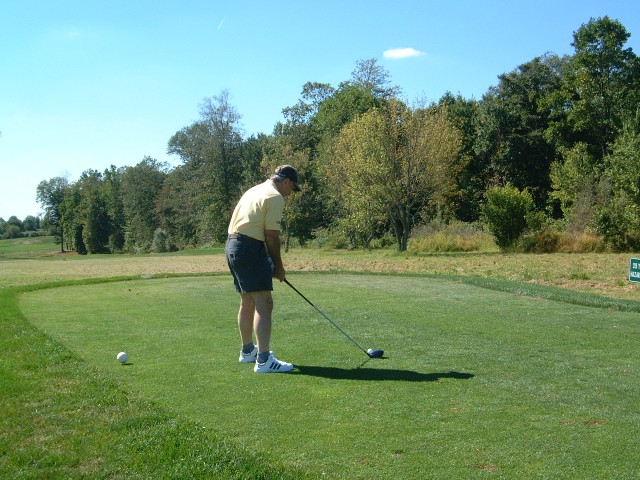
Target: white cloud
(396, 53)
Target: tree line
(16, 228)
(554, 146)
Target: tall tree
(115, 208)
(602, 77)
(599, 91)
(73, 221)
(513, 121)
(223, 122)
(50, 194)
(574, 184)
(297, 142)
(298, 125)
(473, 178)
(141, 185)
(211, 150)
(175, 206)
(92, 212)
(395, 164)
(344, 105)
(303, 212)
(374, 78)
(31, 223)
(618, 219)
(15, 221)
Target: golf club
(371, 353)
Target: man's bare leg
(263, 302)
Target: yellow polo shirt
(259, 209)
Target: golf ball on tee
(370, 351)
(122, 357)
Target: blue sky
(89, 84)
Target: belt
(240, 235)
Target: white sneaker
(272, 365)
(249, 357)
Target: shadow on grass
(376, 374)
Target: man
(253, 256)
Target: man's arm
(272, 240)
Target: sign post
(634, 270)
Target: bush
(330, 239)
(553, 241)
(382, 241)
(581, 242)
(618, 223)
(546, 241)
(12, 231)
(455, 237)
(160, 243)
(505, 214)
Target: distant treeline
(16, 228)
(553, 147)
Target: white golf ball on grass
(123, 357)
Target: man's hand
(272, 240)
(279, 273)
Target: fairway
(474, 382)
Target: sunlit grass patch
(475, 380)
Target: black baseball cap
(287, 171)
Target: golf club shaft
(326, 316)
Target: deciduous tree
(511, 132)
(394, 164)
(602, 81)
(92, 213)
(618, 219)
(50, 194)
(141, 186)
(211, 152)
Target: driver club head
(375, 353)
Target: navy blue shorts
(249, 263)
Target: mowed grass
(30, 247)
(476, 383)
(61, 417)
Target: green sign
(634, 270)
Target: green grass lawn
(31, 247)
(476, 383)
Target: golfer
(253, 256)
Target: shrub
(505, 214)
(12, 231)
(581, 242)
(455, 237)
(553, 241)
(618, 223)
(160, 243)
(546, 241)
